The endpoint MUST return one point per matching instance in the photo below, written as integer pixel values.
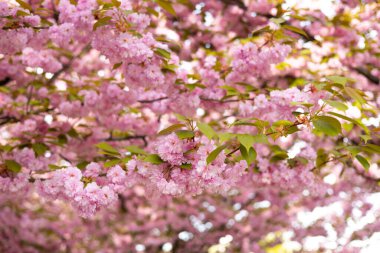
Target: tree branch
(367, 74)
(5, 81)
(67, 66)
(225, 101)
(147, 101)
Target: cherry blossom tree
(189, 125)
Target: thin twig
(147, 101)
(67, 66)
(142, 137)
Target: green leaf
(82, 165)
(338, 79)
(104, 146)
(192, 86)
(170, 129)
(365, 128)
(24, 5)
(223, 137)
(102, 22)
(372, 148)
(73, 133)
(229, 88)
(277, 21)
(21, 13)
(322, 158)
(354, 150)
(206, 130)
(117, 65)
(355, 95)
(152, 11)
(62, 139)
(167, 6)
(343, 117)
(297, 161)
(13, 166)
(261, 30)
(181, 117)
(279, 156)
(186, 166)
(55, 167)
(363, 161)
(111, 163)
(39, 148)
(282, 123)
(365, 138)
(116, 3)
(170, 68)
(185, 134)
(153, 158)
(162, 52)
(212, 156)
(6, 148)
(246, 140)
(295, 30)
(307, 105)
(249, 156)
(136, 150)
(327, 125)
(338, 105)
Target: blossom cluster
(185, 126)
(67, 184)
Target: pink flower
(170, 148)
(92, 170)
(116, 175)
(72, 173)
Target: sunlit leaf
(214, 154)
(111, 163)
(39, 148)
(206, 130)
(24, 4)
(170, 129)
(354, 94)
(13, 166)
(327, 125)
(295, 30)
(363, 161)
(162, 52)
(338, 105)
(136, 150)
(246, 140)
(104, 146)
(248, 155)
(102, 22)
(338, 79)
(185, 134)
(153, 158)
(167, 6)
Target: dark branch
(366, 176)
(367, 74)
(225, 101)
(202, 98)
(67, 66)
(238, 3)
(147, 101)
(123, 207)
(5, 81)
(7, 119)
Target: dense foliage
(189, 125)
